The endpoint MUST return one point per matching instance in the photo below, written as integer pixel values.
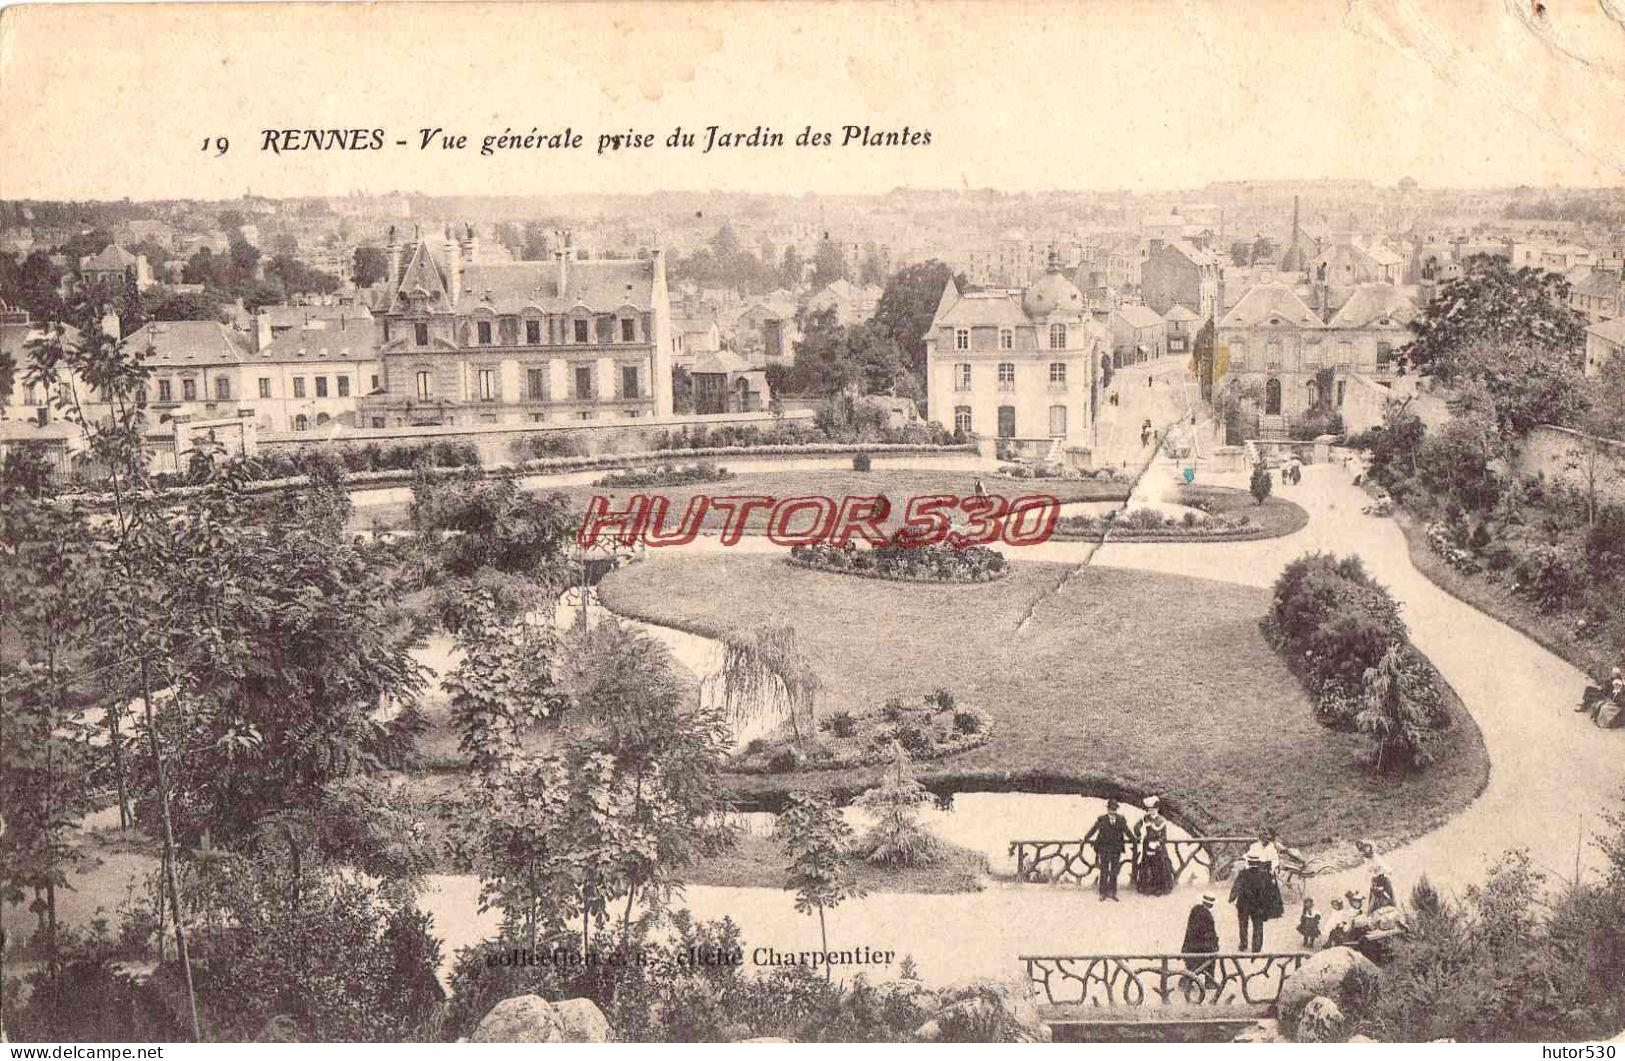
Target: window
(583, 378)
(1007, 421)
(962, 377)
(189, 390)
(1385, 355)
(322, 418)
(533, 333)
(962, 419)
(486, 380)
(1057, 337)
(1342, 385)
(1007, 375)
(321, 386)
(377, 421)
(374, 383)
(581, 331)
(301, 423)
(1345, 352)
(1272, 353)
(629, 330)
(629, 381)
(164, 391)
(420, 332)
(606, 329)
(344, 386)
(265, 386)
(1057, 373)
(1057, 420)
(962, 339)
(222, 387)
(298, 386)
(31, 395)
(536, 383)
(423, 386)
(483, 328)
(1007, 339)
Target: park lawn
(897, 485)
(1124, 682)
(759, 862)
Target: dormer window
(1007, 339)
(1057, 337)
(962, 339)
(483, 328)
(420, 334)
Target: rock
(1361, 1039)
(988, 1011)
(929, 1032)
(1321, 1021)
(767, 1039)
(583, 1021)
(1264, 1031)
(1341, 974)
(533, 1019)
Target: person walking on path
(1256, 893)
(1201, 937)
(1110, 836)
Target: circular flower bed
(905, 563)
(933, 728)
(666, 475)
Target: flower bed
(667, 475)
(1230, 516)
(905, 563)
(1457, 556)
(1052, 471)
(935, 727)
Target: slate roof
(328, 343)
(1270, 300)
(1612, 330)
(1180, 312)
(109, 257)
(174, 343)
(1138, 316)
(1372, 302)
(600, 285)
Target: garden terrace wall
(1577, 460)
(495, 442)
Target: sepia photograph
(631, 522)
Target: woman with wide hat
(1154, 871)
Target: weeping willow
(764, 671)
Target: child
(1309, 923)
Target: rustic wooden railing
(1073, 861)
(1132, 980)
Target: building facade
(1020, 366)
(530, 341)
(1177, 273)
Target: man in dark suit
(1109, 836)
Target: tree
(1260, 484)
(829, 264)
(873, 269)
(370, 265)
(1401, 728)
(909, 304)
(791, 268)
(48, 582)
(765, 671)
(815, 837)
(1493, 306)
(167, 305)
(897, 838)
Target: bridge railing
(1074, 862)
(1238, 980)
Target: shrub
(1260, 484)
(784, 761)
(1550, 576)
(940, 700)
(915, 739)
(897, 838)
(842, 724)
(893, 710)
(967, 721)
(861, 462)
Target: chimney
(262, 331)
(454, 267)
(471, 245)
(393, 248)
(561, 258)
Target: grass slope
(1124, 681)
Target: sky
(118, 101)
